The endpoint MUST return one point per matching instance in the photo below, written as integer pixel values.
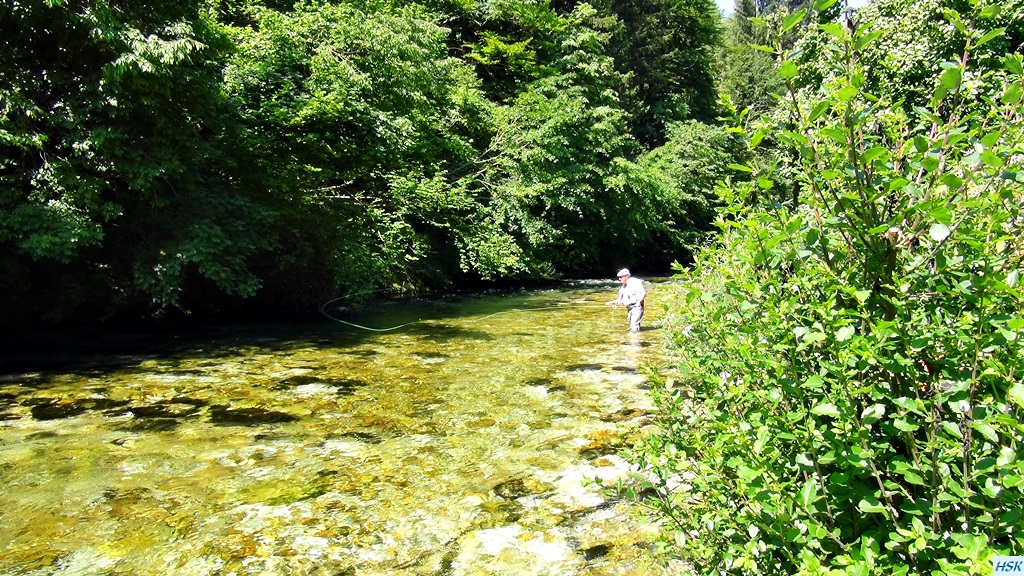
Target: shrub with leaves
(849, 395)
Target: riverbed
(455, 436)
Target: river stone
(225, 416)
(514, 551)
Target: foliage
(353, 119)
(675, 184)
(919, 37)
(511, 43)
(196, 157)
(666, 49)
(544, 174)
(111, 118)
(751, 79)
(849, 394)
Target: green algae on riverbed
(460, 444)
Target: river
(465, 442)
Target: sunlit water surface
(459, 444)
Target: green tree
(544, 172)
(112, 183)
(357, 124)
(666, 49)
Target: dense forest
(168, 158)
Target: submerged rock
(225, 416)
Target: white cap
(623, 272)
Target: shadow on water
(95, 350)
(446, 332)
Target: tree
(666, 50)
(358, 125)
(113, 187)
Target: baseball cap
(623, 272)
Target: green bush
(848, 397)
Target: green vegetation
(849, 398)
(195, 157)
(848, 395)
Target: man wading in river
(631, 295)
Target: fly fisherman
(631, 295)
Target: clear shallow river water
(459, 444)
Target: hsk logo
(1008, 565)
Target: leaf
(809, 493)
(826, 409)
(910, 404)
(867, 39)
(755, 140)
(834, 29)
(904, 425)
(747, 473)
(1012, 62)
(845, 333)
(870, 506)
(955, 20)
(874, 152)
(990, 11)
(986, 431)
(1012, 94)
(1016, 394)
(872, 414)
(741, 168)
(848, 93)
(835, 134)
(819, 109)
(952, 181)
(898, 184)
(952, 429)
(939, 232)
(814, 382)
(788, 69)
(991, 159)
(822, 5)
(929, 116)
(814, 337)
(913, 477)
(793, 19)
(987, 37)
(951, 78)
(1007, 456)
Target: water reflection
(456, 445)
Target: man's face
(623, 279)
